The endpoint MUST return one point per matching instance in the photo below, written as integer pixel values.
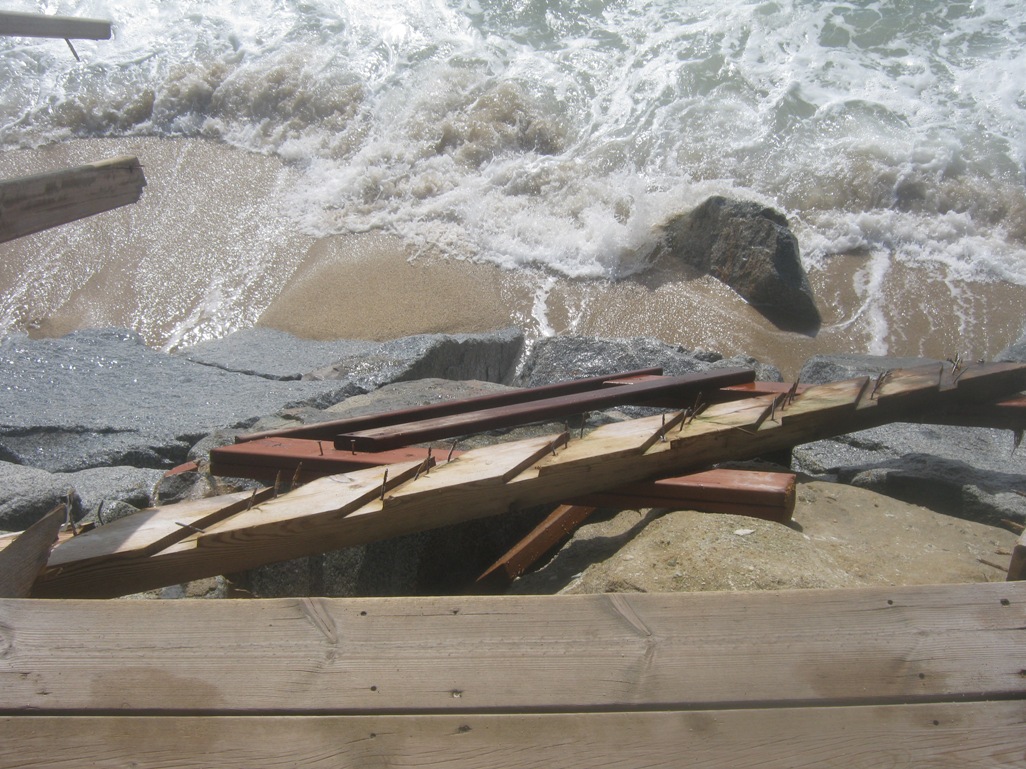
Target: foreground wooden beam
(1017, 566)
(940, 736)
(66, 27)
(915, 676)
(460, 654)
(370, 505)
(35, 203)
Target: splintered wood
(368, 505)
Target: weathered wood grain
(514, 653)
(26, 555)
(34, 203)
(940, 736)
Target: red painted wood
(683, 390)
(328, 430)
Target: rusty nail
(384, 485)
(190, 527)
(880, 379)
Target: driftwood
(34, 203)
(67, 27)
(369, 505)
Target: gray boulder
(273, 354)
(29, 494)
(750, 248)
(821, 369)
(1016, 351)
(488, 357)
(102, 397)
(559, 358)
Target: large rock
(971, 473)
(1016, 351)
(29, 494)
(820, 369)
(102, 397)
(841, 537)
(750, 248)
(559, 358)
(273, 354)
(490, 357)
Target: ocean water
(553, 138)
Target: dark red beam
(327, 431)
(265, 459)
(682, 391)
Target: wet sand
(209, 249)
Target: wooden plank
(683, 388)
(467, 487)
(940, 736)
(67, 27)
(521, 653)
(150, 531)
(25, 556)
(770, 496)
(34, 203)
(265, 458)
(1017, 565)
(557, 527)
(328, 430)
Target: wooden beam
(770, 496)
(327, 431)
(557, 527)
(855, 646)
(941, 736)
(1017, 566)
(263, 459)
(682, 389)
(497, 479)
(35, 203)
(23, 559)
(67, 27)
(150, 531)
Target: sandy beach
(211, 248)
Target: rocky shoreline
(99, 417)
